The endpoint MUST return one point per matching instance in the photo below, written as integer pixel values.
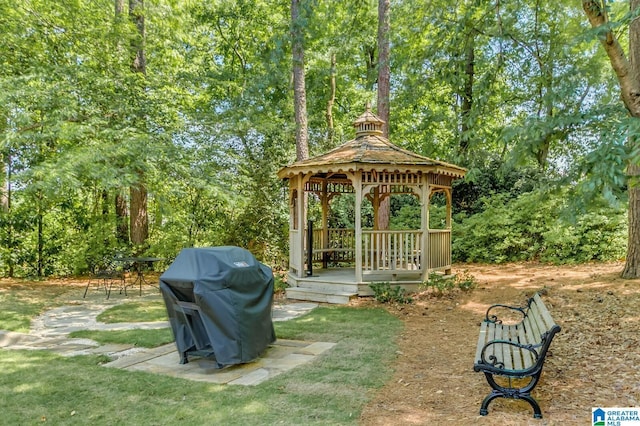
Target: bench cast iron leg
(537, 413)
(512, 393)
(484, 408)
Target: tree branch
(629, 86)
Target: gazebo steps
(329, 287)
(319, 294)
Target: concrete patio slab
(50, 331)
(281, 356)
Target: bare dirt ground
(593, 362)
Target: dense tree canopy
(518, 92)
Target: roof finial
(367, 106)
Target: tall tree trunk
(632, 265)
(122, 218)
(331, 101)
(299, 91)
(120, 200)
(372, 64)
(136, 13)
(105, 203)
(139, 220)
(546, 109)
(384, 74)
(5, 191)
(467, 92)
(384, 79)
(628, 73)
(6, 208)
(119, 7)
(40, 237)
(5, 158)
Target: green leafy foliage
(280, 281)
(211, 122)
(536, 226)
(465, 281)
(441, 284)
(386, 293)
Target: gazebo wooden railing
(440, 249)
(391, 250)
(383, 250)
(340, 247)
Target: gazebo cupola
(371, 168)
(368, 124)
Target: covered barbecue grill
(219, 303)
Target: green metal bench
(514, 352)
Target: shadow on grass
(38, 386)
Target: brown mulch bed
(593, 362)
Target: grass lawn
(37, 386)
(19, 302)
(135, 312)
(141, 338)
(147, 311)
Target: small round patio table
(140, 264)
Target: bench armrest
(493, 360)
(494, 318)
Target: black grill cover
(219, 303)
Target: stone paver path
(50, 331)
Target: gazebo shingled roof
(369, 150)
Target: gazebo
(370, 167)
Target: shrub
(280, 281)
(466, 281)
(442, 284)
(385, 293)
(598, 235)
(536, 226)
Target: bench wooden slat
(507, 349)
(532, 330)
(517, 354)
(525, 355)
(532, 337)
(541, 326)
(498, 348)
(482, 339)
(543, 312)
(492, 336)
(534, 314)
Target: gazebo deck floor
(339, 285)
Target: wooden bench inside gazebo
(348, 260)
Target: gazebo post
(449, 199)
(425, 196)
(301, 220)
(357, 184)
(324, 199)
